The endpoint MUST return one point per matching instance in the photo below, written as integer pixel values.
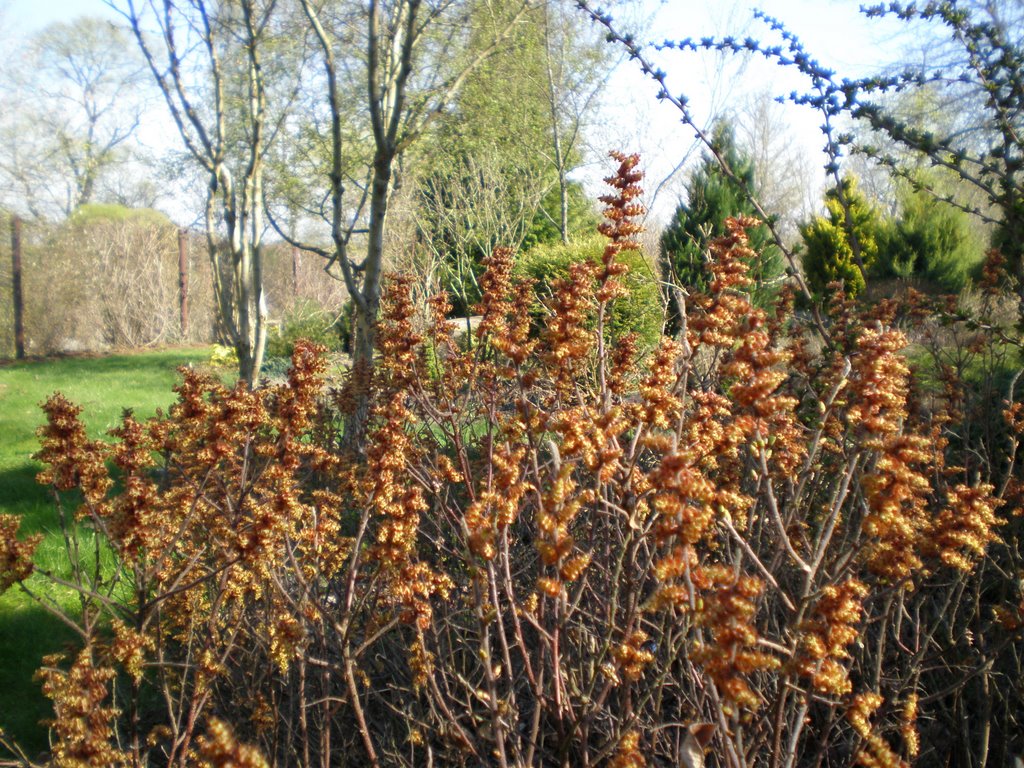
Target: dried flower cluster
(83, 720)
(219, 749)
(875, 753)
(832, 628)
(15, 554)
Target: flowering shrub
(549, 553)
(223, 357)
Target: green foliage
(306, 320)
(829, 254)
(980, 72)
(828, 258)
(932, 240)
(929, 240)
(969, 76)
(712, 197)
(91, 213)
(545, 225)
(1008, 236)
(223, 356)
(641, 312)
(485, 168)
(491, 171)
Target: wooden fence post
(183, 281)
(19, 302)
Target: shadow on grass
(72, 365)
(102, 385)
(20, 494)
(27, 634)
(27, 631)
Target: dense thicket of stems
(559, 548)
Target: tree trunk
(183, 282)
(246, 363)
(365, 333)
(363, 343)
(1008, 238)
(17, 298)
(244, 328)
(563, 189)
(259, 338)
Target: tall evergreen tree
(711, 198)
(483, 172)
(493, 171)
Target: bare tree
(577, 65)
(413, 58)
(208, 61)
(785, 179)
(723, 76)
(74, 110)
(92, 66)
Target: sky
(833, 31)
(26, 16)
(815, 21)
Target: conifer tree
(931, 240)
(834, 244)
(711, 198)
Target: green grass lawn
(103, 387)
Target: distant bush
(931, 240)
(306, 320)
(108, 213)
(223, 357)
(640, 312)
(107, 277)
